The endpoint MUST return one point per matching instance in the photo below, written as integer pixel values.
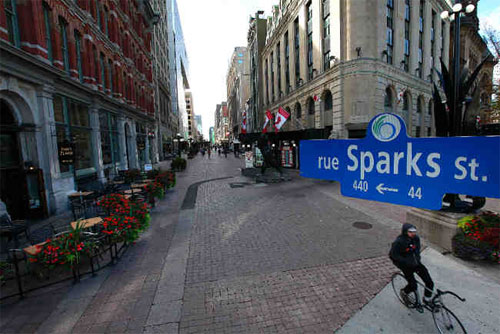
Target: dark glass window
(326, 34)
(64, 45)
(390, 31)
(309, 41)
(103, 72)
(278, 61)
(407, 36)
(272, 76)
(297, 50)
(48, 31)
(78, 44)
(298, 110)
(287, 63)
(12, 22)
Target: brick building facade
(77, 71)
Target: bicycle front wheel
(399, 282)
(446, 321)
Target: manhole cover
(362, 225)
(236, 185)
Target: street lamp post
(457, 10)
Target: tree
(492, 39)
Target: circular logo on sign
(386, 127)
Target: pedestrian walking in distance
(209, 152)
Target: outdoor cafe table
(138, 185)
(86, 223)
(132, 191)
(34, 249)
(81, 194)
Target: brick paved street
(229, 256)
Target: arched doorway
(11, 171)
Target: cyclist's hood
(405, 228)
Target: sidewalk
(479, 314)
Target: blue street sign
(388, 166)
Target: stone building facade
(256, 39)
(334, 64)
(166, 120)
(238, 86)
(76, 72)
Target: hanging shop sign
(66, 153)
(286, 156)
(388, 166)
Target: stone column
(446, 44)
(427, 65)
(414, 26)
(303, 42)
(122, 142)
(318, 117)
(132, 146)
(398, 33)
(96, 142)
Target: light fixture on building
(384, 53)
(273, 145)
(457, 7)
(358, 50)
(469, 8)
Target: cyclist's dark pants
(421, 271)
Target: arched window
(110, 75)
(406, 102)
(103, 72)
(64, 43)
(298, 110)
(420, 105)
(328, 100)
(310, 106)
(429, 107)
(106, 19)
(388, 100)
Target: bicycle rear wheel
(446, 321)
(399, 282)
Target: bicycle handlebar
(440, 293)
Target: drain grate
(362, 225)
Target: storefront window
(109, 138)
(141, 143)
(72, 125)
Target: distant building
(199, 127)
(238, 90)
(221, 127)
(211, 135)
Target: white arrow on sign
(381, 189)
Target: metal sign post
(388, 166)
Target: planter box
(435, 226)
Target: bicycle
(444, 319)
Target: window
(267, 81)
(125, 81)
(443, 27)
(109, 138)
(328, 100)
(406, 102)
(64, 44)
(103, 72)
(278, 58)
(287, 63)
(96, 63)
(297, 50)
(309, 42)
(12, 22)
(72, 124)
(106, 31)
(407, 36)
(48, 31)
(78, 47)
(110, 75)
(390, 31)
(98, 14)
(326, 33)
(433, 38)
(310, 106)
(388, 100)
(417, 131)
(272, 76)
(421, 39)
(298, 110)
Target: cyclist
(405, 254)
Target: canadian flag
(281, 117)
(268, 118)
(244, 123)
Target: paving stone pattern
(279, 258)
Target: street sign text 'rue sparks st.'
(388, 166)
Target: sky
(213, 28)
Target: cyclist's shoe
(428, 301)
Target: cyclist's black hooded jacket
(405, 251)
